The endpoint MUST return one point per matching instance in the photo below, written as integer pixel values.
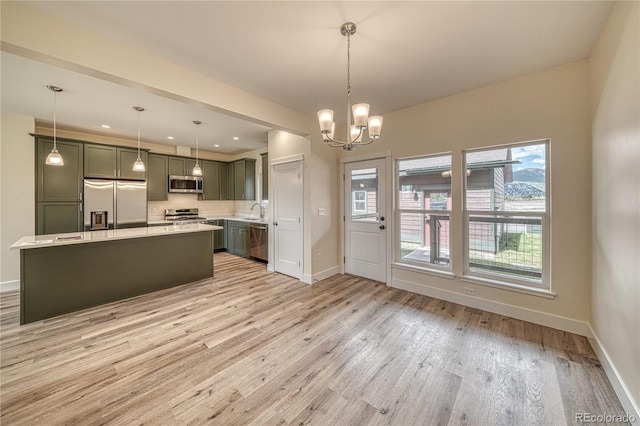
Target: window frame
(398, 261)
(542, 287)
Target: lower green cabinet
(59, 217)
(219, 237)
(238, 235)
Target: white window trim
(543, 287)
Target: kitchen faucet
(261, 209)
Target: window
(359, 201)
(424, 200)
(364, 195)
(506, 214)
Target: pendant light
(197, 171)
(54, 158)
(138, 166)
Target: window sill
(548, 294)
(414, 268)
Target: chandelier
(356, 123)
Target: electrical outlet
(468, 290)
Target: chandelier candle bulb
(360, 114)
(375, 126)
(356, 134)
(325, 118)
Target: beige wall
(549, 104)
(17, 199)
(615, 95)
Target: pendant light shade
(138, 166)
(54, 158)
(197, 171)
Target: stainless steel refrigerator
(110, 204)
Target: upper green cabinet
(57, 183)
(244, 179)
(181, 166)
(225, 192)
(210, 180)
(157, 177)
(104, 161)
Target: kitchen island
(63, 273)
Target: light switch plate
(321, 212)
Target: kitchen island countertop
(54, 240)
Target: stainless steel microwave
(185, 184)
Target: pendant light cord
(349, 87)
(138, 134)
(55, 107)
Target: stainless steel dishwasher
(258, 246)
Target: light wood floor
(253, 347)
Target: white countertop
(239, 219)
(53, 240)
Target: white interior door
(287, 218)
(365, 222)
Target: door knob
(382, 218)
(275, 223)
(381, 226)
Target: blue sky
(531, 157)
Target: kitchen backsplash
(206, 208)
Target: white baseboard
(9, 285)
(306, 278)
(630, 406)
(537, 317)
(323, 275)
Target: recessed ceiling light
(216, 145)
(235, 138)
(105, 126)
(170, 138)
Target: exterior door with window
(365, 220)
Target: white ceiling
(404, 53)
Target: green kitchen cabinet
(182, 166)
(59, 183)
(126, 159)
(223, 173)
(59, 188)
(265, 175)
(244, 179)
(110, 162)
(59, 217)
(157, 177)
(219, 236)
(238, 235)
(210, 180)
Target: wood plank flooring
(254, 347)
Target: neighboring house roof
(475, 159)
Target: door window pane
(364, 195)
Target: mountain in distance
(527, 183)
(529, 175)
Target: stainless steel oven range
(183, 216)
